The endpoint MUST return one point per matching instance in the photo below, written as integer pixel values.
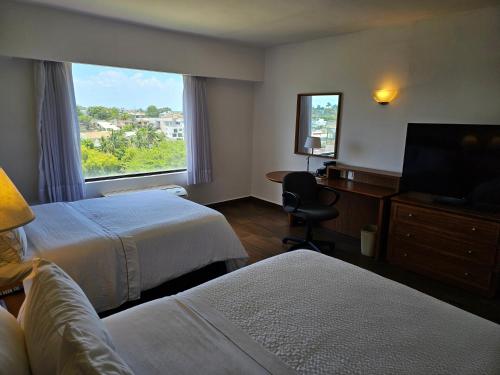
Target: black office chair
(301, 199)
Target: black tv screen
(459, 161)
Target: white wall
(18, 142)
(42, 33)
(447, 70)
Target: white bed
(307, 313)
(118, 246)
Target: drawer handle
(408, 235)
(405, 254)
(410, 215)
(469, 252)
(474, 229)
(466, 273)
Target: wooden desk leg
(382, 228)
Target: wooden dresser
(451, 244)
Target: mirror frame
(337, 133)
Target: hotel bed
(308, 313)
(300, 312)
(118, 246)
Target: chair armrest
(291, 199)
(337, 194)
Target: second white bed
(116, 247)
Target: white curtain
(199, 159)
(304, 122)
(60, 169)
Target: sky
(126, 88)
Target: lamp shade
(384, 96)
(14, 211)
(313, 142)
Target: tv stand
(450, 243)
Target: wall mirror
(318, 115)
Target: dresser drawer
(472, 230)
(444, 242)
(440, 266)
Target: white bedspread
(116, 247)
(316, 315)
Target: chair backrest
(301, 183)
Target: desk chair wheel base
(311, 245)
(308, 242)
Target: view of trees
(134, 148)
(327, 113)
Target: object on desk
(321, 172)
(312, 143)
(172, 189)
(368, 240)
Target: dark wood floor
(261, 225)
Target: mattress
(116, 247)
(303, 312)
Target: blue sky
(126, 88)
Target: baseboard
(230, 200)
(242, 199)
(266, 200)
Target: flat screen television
(459, 163)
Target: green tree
(116, 144)
(152, 111)
(167, 154)
(96, 163)
(164, 109)
(146, 137)
(87, 143)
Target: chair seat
(314, 211)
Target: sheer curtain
(60, 170)
(199, 159)
(304, 121)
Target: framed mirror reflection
(317, 129)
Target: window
(131, 121)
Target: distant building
(107, 125)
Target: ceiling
(267, 22)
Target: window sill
(135, 175)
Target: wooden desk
(360, 203)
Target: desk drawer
(440, 266)
(469, 229)
(443, 242)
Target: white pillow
(13, 359)
(13, 246)
(83, 353)
(52, 301)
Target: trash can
(368, 238)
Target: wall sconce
(384, 96)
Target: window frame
(145, 174)
(137, 174)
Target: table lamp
(14, 211)
(312, 143)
